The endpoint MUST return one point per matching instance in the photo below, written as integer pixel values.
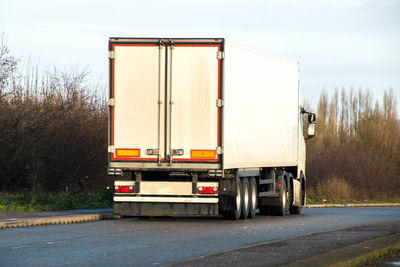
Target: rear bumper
(165, 209)
(166, 198)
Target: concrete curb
(63, 219)
(352, 205)
(353, 255)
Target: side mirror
(311, 117)
(311, 131)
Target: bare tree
(358, 145)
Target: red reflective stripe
(124, 189)
(207, 190)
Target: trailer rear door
(137, 91)
(194, 90)
(164, 102)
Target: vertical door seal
(170, 105)
(159, 104)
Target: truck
(205, 126)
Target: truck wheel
(291, 194)
(284, 201)
(238, 201)
(245, 198)
(303, 191)
(295, 209)
(253, 200)
(235, 202)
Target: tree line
(356, 152)
(52, 130)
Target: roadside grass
(313, 200)
(337, 191)
(38, 201)
(323, 199)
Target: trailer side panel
(261, 109)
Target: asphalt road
(153, 242)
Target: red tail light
(207, 190)
(124, 189)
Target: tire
(292, 208)
(297, 210)
(237, 201)
(253, 197)
(283, 209)
(245, 198)
(235, 204)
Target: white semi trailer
(205, 127)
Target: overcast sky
(339, 43)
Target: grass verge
(38, 201)
(320, 200)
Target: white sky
(339, 43)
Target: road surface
(161, 241)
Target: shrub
(53, 131)
(357, 147)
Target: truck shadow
(257, 219)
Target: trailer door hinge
(220, 103)
(152, 151)
(177, 152)
(220, 55)
(111, 54)
(220, 150)
(110, 149)
(111, 102)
